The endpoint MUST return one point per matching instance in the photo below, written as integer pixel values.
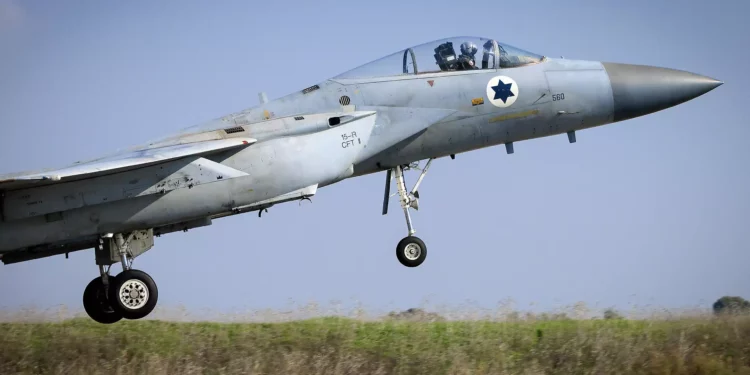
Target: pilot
(467, 61)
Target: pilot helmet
(468, 48)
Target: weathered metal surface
(124, 161)
(45, 251)
(182, 226)
(277, 167)
(360, 122)
(136, 243)
(156, 179)
(299, 194)
(579, 107)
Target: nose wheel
(410, 251)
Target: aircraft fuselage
(420, 103)
(554, 96)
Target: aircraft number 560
(556, 97)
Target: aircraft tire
(411, 251)
(133, 294)
(97, 305)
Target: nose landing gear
(411, 251)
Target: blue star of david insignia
(502, 91)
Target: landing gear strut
(410, 251)
(132, 294)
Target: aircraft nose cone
(639, 89)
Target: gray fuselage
(417, 116)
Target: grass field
(348, 346)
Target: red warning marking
(431, 82)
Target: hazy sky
(651, 211)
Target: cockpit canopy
(446, 55)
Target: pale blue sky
(652, 211)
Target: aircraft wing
(120, 162)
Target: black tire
(97, 305)
(133, 294)
(411, 251)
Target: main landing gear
(132, 294)
(410, 251)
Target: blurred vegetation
(610, 314)
(731, 305)
(413, 342)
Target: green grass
(345, 346)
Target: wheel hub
(134, 294)
(412, 251)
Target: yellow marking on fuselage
(511, 116)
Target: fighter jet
(430, 101)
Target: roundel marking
(502, 91)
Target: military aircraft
(430, 101)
